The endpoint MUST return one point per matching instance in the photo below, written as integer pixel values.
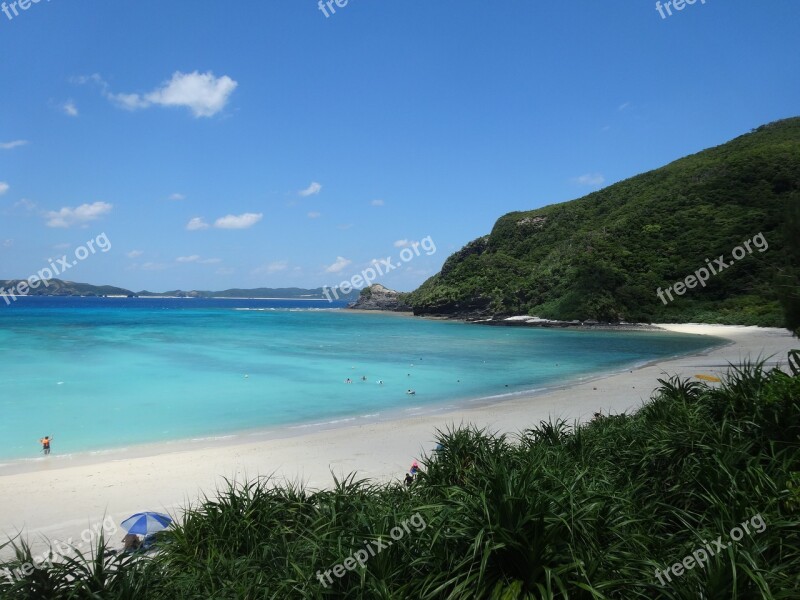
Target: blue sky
(247, 144)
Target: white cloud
(402, 244)
(70, 109)
(312, 190)
(196, 224)
(94, 78)
(26, 205)
(202, 93)
(129, 101)
(341, 263)
(314, 215)
(345, 226)
(8, 243)
(196, 258)
(68, 216)
(12, 145)
(4, 187)
(591, 179)
(377, 203)
(64, 246)
(244, 221)
(177, 197)
(152, 266)
(624, 106)
(134, 254)
(273, 267)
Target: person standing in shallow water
(45, 441)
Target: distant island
(292, 293)
(58, 287)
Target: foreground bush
(597, 511)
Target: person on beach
(45, 441)
(131, 543)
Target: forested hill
(604, 256)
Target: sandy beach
(60, 499)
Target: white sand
(60, 499)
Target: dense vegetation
(604, 256)
(581, 513)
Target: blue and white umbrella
(146, 523)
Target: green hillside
(58, 287)
(605, 255)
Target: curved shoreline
(59, 502)
(224, 439)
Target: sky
(265, 144)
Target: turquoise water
(106, 373)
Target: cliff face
(378, 297)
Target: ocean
(106, 373)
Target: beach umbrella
(146, 523)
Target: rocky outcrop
(471, 309)
(378, 297)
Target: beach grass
(559, 511)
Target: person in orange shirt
(45, 441)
